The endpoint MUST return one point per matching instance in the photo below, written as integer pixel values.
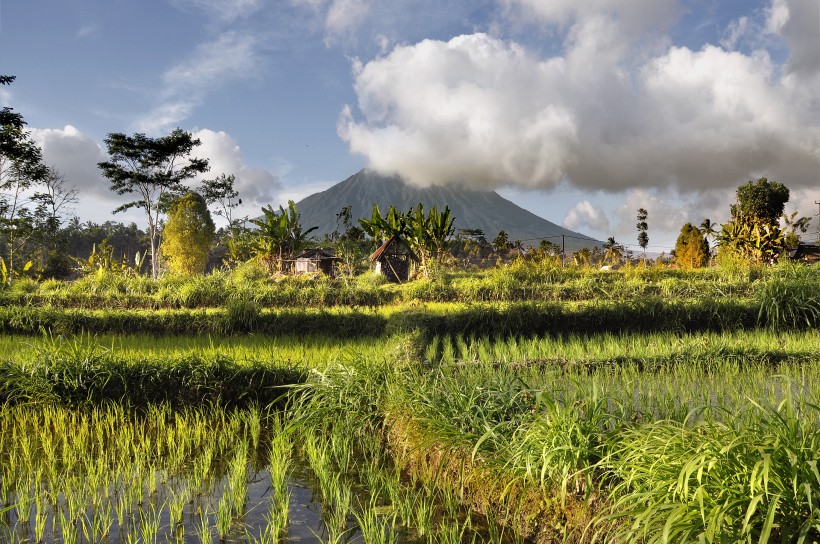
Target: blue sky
(580, 111)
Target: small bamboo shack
(312, 261)
(394, 259)
(807, 253)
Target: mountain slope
(472, 209)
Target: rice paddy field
(417, 419)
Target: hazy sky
(581, 111)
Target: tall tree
(613, 251)
(21, 169)
(643, 227)
(761, 202)
(691, 248)
(754, 230)
(152, 169)
(707, 229)
(53, 198)
(188, 236)
(222, 192)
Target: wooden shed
(808, 253)
(394, 259)
(312, 261)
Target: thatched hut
(394, 259)
(312, 261)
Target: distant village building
(312, 261)
(394, 259)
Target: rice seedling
(451, 531)
(224, 517)
(205, 536)
(375, 527)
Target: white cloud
(344, 17)
(777, 16)
(256, 186)
(224, 10)
(586, 215)
(76, 156)
(737, 30)
(86, 30)
(799, 22)
(230, 57)
(666, 212)
(488, 112)
(473, 110)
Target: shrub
(241, 315)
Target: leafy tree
(188, 235)
(426, 234)
(152, 169)
(53, 198)
(613, 251)
(350, 244)
(502, 241)
(21, 170)
(761, 202)
(754, 231)
(793, 225)
(691, 248)
(583, 257)
(440, 227)
(643, 227)
(221, 191)
(279, 236)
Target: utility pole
(563, 252)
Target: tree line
(39, 237)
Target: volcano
(472, 209)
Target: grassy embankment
(666, 417)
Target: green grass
(315, 352)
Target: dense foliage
(188, 235)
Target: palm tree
(614, 251)
(707, 229)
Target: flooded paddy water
(208, 476)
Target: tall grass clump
(241, 314)
(790, 298)
(754, 479)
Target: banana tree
(279, 236)
(440, 227)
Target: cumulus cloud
(667, 212)
(777, 16)
(76, 156)
(586, 215)
(472, 110)
(799, 22)
(256, 186)
(485, 111)
(230, 57)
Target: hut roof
(318, 255)
(395, 239)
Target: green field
(521, 405)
